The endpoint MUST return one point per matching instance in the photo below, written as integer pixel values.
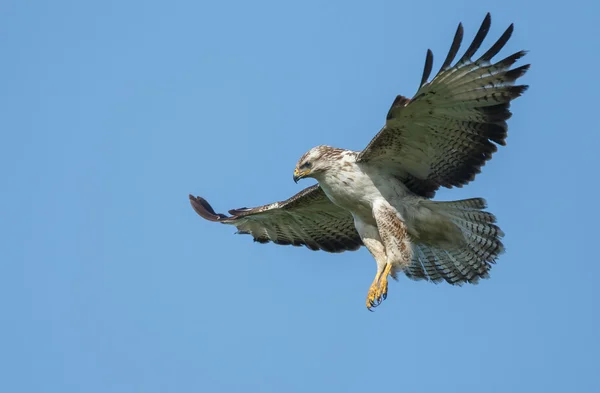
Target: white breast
(356, 187)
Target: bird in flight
(380, 197)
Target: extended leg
(371, 239)
(376, 293)
(396, 242)
(393, 238)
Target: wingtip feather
(458, 36)
(427, 68)
(498, 45)
(204, 209)
(479, 37)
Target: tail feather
(457, 273)
(470, 274)
(464, 204)
(428, 263)
(468, 263)
(484, 247)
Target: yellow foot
(373, 300)
(378, 290)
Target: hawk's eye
(306, 165)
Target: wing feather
(458, 36)
(478, 40)
(308, 219)
(450, 128)
(428, 67)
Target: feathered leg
(371, 239)
(396, 241)
(389, 244)
(377, 293)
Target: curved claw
(378, 291)
(374, 303)
(379, 288)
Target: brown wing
(446, 133)
(308, 219)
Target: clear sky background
(112, 112)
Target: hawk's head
(316, 161)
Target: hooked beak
(300, 174)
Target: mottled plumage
(380, 197)
(306, 219)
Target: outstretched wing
(446, 133)
(308, 219)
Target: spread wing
(308, 219)
(446, 133)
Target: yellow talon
(372, 296)
(378, 290)
(383, 286)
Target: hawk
(380, 197)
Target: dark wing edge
(205, 210)
(481, 89)
(307, 219)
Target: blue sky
(114, 111)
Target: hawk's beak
(300, 174)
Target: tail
(468, 263)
